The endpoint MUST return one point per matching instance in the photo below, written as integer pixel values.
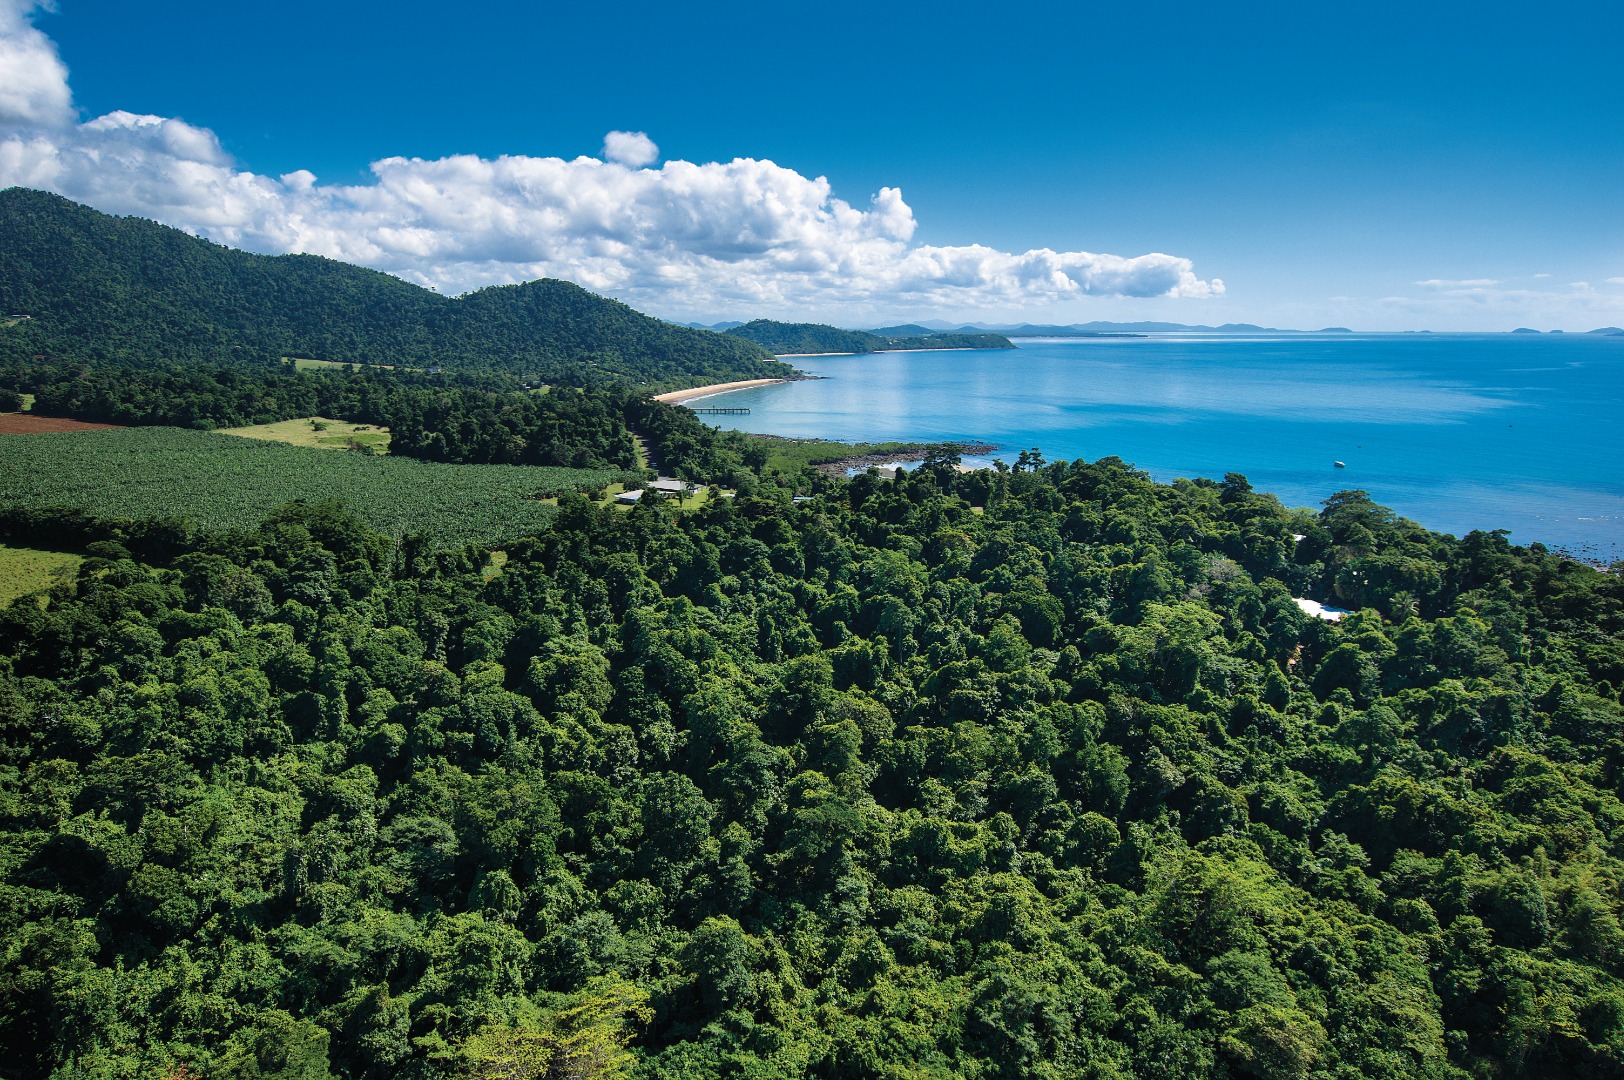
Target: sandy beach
(683, 397)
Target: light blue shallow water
(1456, 431)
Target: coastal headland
(859, 456)
(841, 466)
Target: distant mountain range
(791, 338)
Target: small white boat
(1340, 464)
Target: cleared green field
(221, 483)
(319, 432)
(305, 363)
(26, 570)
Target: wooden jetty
(732, 412)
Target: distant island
(790, 339)
(1603, 331)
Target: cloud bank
(1529, 300)
(743, 235)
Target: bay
(1456, 431)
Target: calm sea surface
(1456, 431)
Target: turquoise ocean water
(1459, 432)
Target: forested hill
(787, 338)
(129, 291)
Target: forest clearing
(319, 432)
(26, 570)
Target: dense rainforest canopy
(131, 292)
(1038, 773)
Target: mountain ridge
(125, 290)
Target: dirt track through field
(29, 424)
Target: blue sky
(1448, 166)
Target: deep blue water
(1456, 431)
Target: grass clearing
(319, 432)
(305, 363)
(28, 403)
(698, 499)
(221, 483)
(26, 570)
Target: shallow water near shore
(1457, 431)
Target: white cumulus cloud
(744, 235)
(630, 148)
(33, 79)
